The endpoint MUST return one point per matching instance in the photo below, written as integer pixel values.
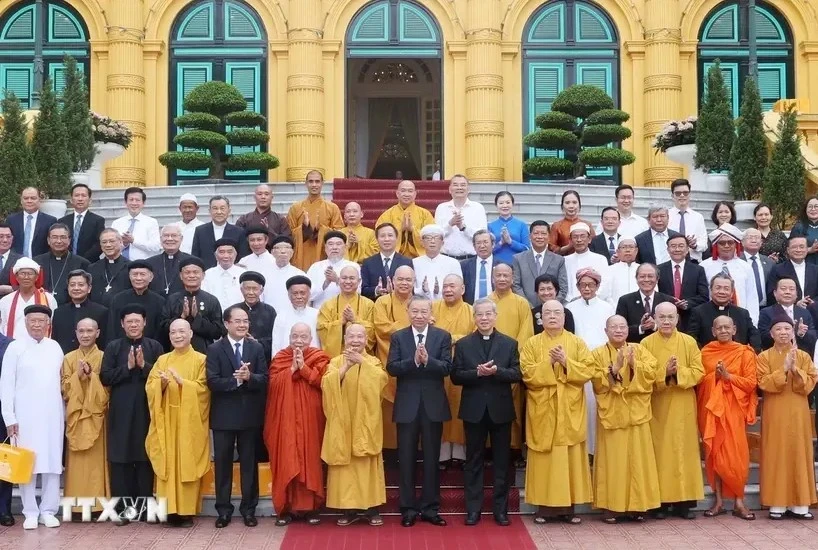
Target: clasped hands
(190, 308)
(243, 372)
(421, 355)
(487, 369)
(298, 360)
(166, 375)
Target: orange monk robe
(293, 430)
(560, 234)
(457, 320)
(330, 324)
(86, 405)
(409, 242)
(514, 320)
(390, 315)
(787, 467)
(725, 408)
(324, 216)
(366, 246)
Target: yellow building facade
(367, 88)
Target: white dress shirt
(800, 273)
(218, 230)
(224, 285)
(455, 241)
(742, 275)
(319, 294)
(477, 264)
(617, 280)
(694, 226)
(275, 291)
(761, 276)
(629, 226)
(286, 318)
(434, 270)
(146, 241)
(188, 229)
(660, 246)
(240, 352)
(574, 262)
(415, 333)
(260, 263)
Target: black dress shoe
(6, 520)
(472, 518)
(408, 521)
(502, 520)
(222, 521)
(250, 520)
(434, 520)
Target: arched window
(724, 35)
(565, 43)
(217, 40)
(55, 29)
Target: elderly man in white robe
(590, 315)
(296, 311)
(326, 274)
(726, 259)
(581, 258)
(620, 277)
(34, 412)
(222, 280)
(433, 266)
(30, 291)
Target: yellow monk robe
(353, 436)
(390, 316)
(673, 427)
(409, 242)
(330, 325)
(86, 405)
(366, 246)
(178, 442)
(557, 472)
(625, 476)
(323, 216)
(514, 320)
(787, 467)
(457, 320)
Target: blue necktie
(238, 354)
(77, 226)
(682, 222)
(611, 248)
(482, 290)
(27, 236)
(126, 252)
(757, 276)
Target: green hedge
(551, 138)
(605, 156)
(199, 121)
(186, 160)
(252, 161)
(548, 166)
(200, 139)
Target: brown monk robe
(310, 220)
(86, 404)
(727, 403)
(786, 375)
(294, 427)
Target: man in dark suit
(700, 326)
(165, 265)
(30, 227)
(751, 244)
(84, 225)
(607, 241)
(477, 270)
(652, 244)
(795, 267)
(638, 307)
(785, 296)
(6, 519)
(375, 278)
(58, 262)
(110, 274)
(205, 236)
(66, 316)
(8, 257)
(683, 280)
(529, 265)
(486, 364)
(420, 357)
(237, 378)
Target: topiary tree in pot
(217, 117)
(748, 157)
(16, 161)
(715, 130)
(79, 129)
(49, 146)
(785, 184)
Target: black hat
(335, 234)
(37, 308)
(140, 264)
(298, 280)
(191, 260)
(257, 230)
(781, 317)
(133, 309)
(226, 242)
(283, 239)
(254, 276)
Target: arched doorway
(394, 92)
(565, 43)
(724, 36)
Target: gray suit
(525, 273)
(767, 266)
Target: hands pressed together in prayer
(680, 304)
(457, 219)
(425, 286)
(505, 236)
(380, 290)
(407, 223)
(136, 358)
(166, 375)
(352, 239)
(558, 357)
(672, 366)
(348, 316)
(487, 369)
(789, 362)
(647, 323)
(722, 372)
(298, 360)
(421, 355)
(243, 373)
(84, 370)
(330, 276)
(801, 328)
(805, 302)
(190, 307)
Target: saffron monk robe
(310, 220)
(408, 218)
(338, 312)
(294, 428)
(727, 403)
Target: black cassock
(262, 316)
(110, 278)
(151, 301)
(66, 317)
(207, 324)
(166, 279)
(55, 273)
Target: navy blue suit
(471, 275)
(39, 239)
(805, 343)
(5, 487)
(372, 270)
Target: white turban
(26, 263)
(580, 226)
(432, 229)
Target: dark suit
(701, 324)
(486, 408)
(471, 275)
(420, 409)
(236, 415)
(644, 241)
(630, 307)
(600, 244)
(66, 317)
(204, 242)
(785, 270)
(55, 273)
(5, 273)
(39, 239)
(5, 486)
(166, 273)
(372, 270)
(109, 279)
(767, 266)
(694, 287)
(805, 343)
(88, 243)
(524, 265)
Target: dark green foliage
(246, 119)
(608, 116)
(252, 161)
(200, 139)
(582, 100)
(551, 138)
(602, 134)
(79, 130)
(243, 137)
(785, 182)
(715, 130)
(604, 156)
(553, 166)
(187, 160)
(748, 157)
(214, 97)
(556, 119)
(17, 170)
(199, 121)
(48, 147)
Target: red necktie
(677, 283)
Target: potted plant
(77, 119)
(111, 139)
(581, 124)
(216, 116)
(18, 170)
(50, 152)
(715, 132)
(677, 141)
(785, 185)
(748, 157)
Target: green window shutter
(772, 83)
(373, 25)
(550, 26)
(546, 80)
(415, 25)
(591, 26)
(20, 27)
(723, 26)
(188, 76)
(240, 24)
(198, 25)
(767, 28)
(247, 78)
(18, 78)
(599, 75)
(63, 26)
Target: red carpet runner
(391, 536)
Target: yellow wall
(306, 74)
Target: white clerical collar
(435, 258)
(583, 253)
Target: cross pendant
(107, 288)
(167, 289)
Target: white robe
(224, 285)
(188, 229)
(617, 280)
(574, 262)
(19, 314)
(31, 397)
(745, 283)
(319, 294)
(260, 263)
(275, 291)
(434, 269)
(285, 321)
(589, 324)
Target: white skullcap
(580, 226)
(188, 197)
(726, 230)
(25, 263)
(432, 229)
(627, 239)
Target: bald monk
(456, 317)
(353, 438)
(294, 427)
(409, 218)
(786, 375)
(626, 484)
(674, 430)
(555, 366)
(86, 405)
(390, 316)
(513, 319)
(348, 307)
(178, 442)
(310, 220)
(361, 241)
(727, 403)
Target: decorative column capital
(152, 49)
(457, 49)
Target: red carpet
(391, 536)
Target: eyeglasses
(681, 193)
